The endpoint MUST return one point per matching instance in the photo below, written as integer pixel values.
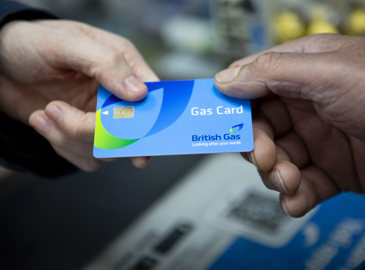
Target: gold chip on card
(123, 112)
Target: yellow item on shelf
(320, 24)
(288, 26)
(356, 24)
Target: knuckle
(78, 131)
(128, 45)
(268, 60)
(59, 141)
(81, 129)
(235, 64)
(111, 57)
(130, 54)
(85, 127)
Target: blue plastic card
(175, 118)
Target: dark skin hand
(308, 117)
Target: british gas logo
(236, 128)
(220, 137)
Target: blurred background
(186, 39)
(64, 223)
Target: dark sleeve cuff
(23, 149)
(10, 11)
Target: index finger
(129, 51)
(307, 44)
(71, 48)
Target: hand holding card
(175, 118)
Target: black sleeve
(10, 11)
(21, 147)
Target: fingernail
(228, 75)
(283, 206)
(252, 158)
(277, 181)
(54, 112)
(40, 123)
(133, 84)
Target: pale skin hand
(49, 74)
(308, 117)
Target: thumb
(287, 74)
